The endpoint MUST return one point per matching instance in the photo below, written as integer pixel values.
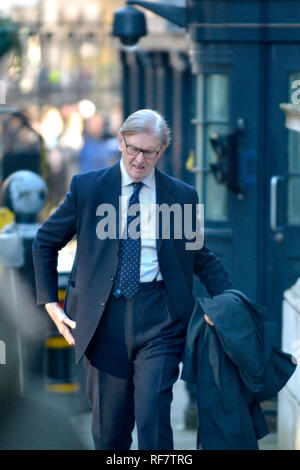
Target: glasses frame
(156, 152)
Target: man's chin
(138, 174)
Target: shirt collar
(149, 180)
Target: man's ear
(120, 139)
(162, 150)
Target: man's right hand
(61, 321)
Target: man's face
(137, 164)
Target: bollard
(59, 366)
(62, 376)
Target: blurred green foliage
(9, 38)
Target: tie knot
(137, 186)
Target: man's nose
(140, 157)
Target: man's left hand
(208, 320)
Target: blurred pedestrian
(22, 146)
(100, 149)
(28, 421)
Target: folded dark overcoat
(235, 366)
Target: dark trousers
(132, 364)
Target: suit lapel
(165, 194)
(112, 190)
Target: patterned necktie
(128, 274)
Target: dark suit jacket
(235, 366)
(96, 260)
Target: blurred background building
(68, 80)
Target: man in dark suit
(130, 293)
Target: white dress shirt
(147, 196)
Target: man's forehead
(142, 138)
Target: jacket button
(111, 278)
(102, 303)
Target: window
(293, 169)
(212, 116)
(293, 209)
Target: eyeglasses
(134, 151)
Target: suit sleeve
(211, 272)
(51, 237)
(210, 269)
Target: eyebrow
(140, 148)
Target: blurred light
(34, 51)
(5, 9)
(23, 3)
(50, 11)
(10, 4)
(89, 50)
(26, 84)
(91, 11)
(54, 76)
(86, 108)
(72, 137)
(52, 126)
(71, 12)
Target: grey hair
(147, 121)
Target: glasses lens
(133, 150)
(149, 154)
